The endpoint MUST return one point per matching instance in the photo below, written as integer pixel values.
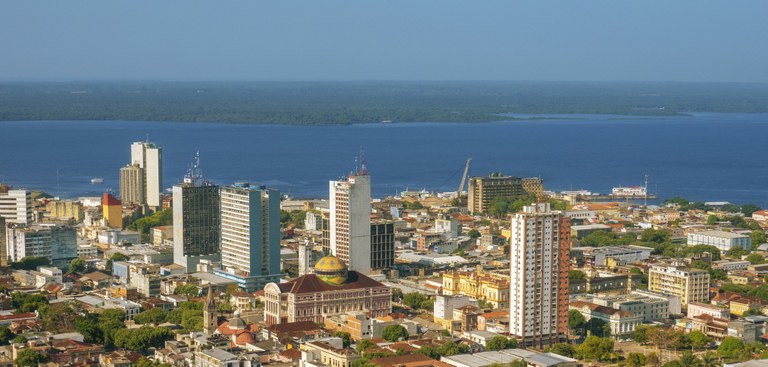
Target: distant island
(320, 103)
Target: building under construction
(482, 191)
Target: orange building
(113, 211)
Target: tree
(152, 316)
(655, 235)
(636, 360)
(712, 219)
(88, 326)
(698, 339)
(730, 347)
(576, 321)
(500, 342)
(21, 339)
(758, 238)
(30, 358)
(599, 327)
(429, 351)
(187, 290)
(30, 263)
(427, 304)
(451, 348)
(688, 359)
(748, 209)
(736, 252)
(394, 333)
(142, 338)
(25, 302)
(365, 344)
(346, 338)
(576, 275)
(77, 265)
(473, 234)
(119, 257)
(755, 259)
(6, 335)
(414, 299)
(595, 348)
(563, 349)
(397, 294)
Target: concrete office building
(132, 185)
(691, 285)
(15, 205)
(724, 241)
(350, 220)
(57, 243)
(539, 261)
(149, 157)
(483, 190)
(250, 236)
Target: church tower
(210, 317)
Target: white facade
(149, 157)
(16, 206)
(56, 242)
(724, 241)
(444, 305)
(629, 191)
(696, 309)
(535, 272)
(350, 222)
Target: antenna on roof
(363, 170)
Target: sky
(585, 40)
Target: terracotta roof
(311, 283)
(244, 338)
(18, 316)
(292, 354)
(601, 309)
(495, 314)
(293, 326)
(410, 360)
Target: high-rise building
(57, 243)
(482, 191)
(382, 244)
(350, 220)
(691, 285)
(112, 209)
(149, 157)
(539, 261)
(250, 235)
(196, 220)
(15, 205)
(132, 185)
(3, 243)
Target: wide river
(708, 157)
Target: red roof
(109, 200)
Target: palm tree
(709, 360)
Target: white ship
(97, 180)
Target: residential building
(483, 190)
(650, 307)
(112, 209)
(618, 255)
(216, 357)
(539, 260)
(444, 307)
(66, 209)
(196, 223)
(621, 322)
(730, 265)
(250, 236)
(691, 285)
(15, 205)
(720, 239)
(490, 287)
(698, 308)
(326, 353)
(350, 220)
(149, 157)
(382, 244)
(331, 290)
(56, 242)
(132, 185)
(585, 230)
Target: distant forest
(361, 102)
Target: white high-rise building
(16, 205)
(538, 297)
(149, 157)
(350, 222)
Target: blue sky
(647, 40)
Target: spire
(209, 302)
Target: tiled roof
(311, 283)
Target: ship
(97, 180)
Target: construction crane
(463, 179)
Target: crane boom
(463, 178)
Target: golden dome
(331, 270)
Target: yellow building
(479, 284)
(328, 353)
(112, 210)
(691, 285)
(65, 210)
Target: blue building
(250, 235)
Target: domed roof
(331, 270)
(244, 338)
(330, 263)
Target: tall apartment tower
(482, 191)
(15, 205)
(350, 220)
(382, 244)
(196, 220)
(132, 185)
(250, 236)
(149, 157)
(538, 297)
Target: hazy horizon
(273, 41)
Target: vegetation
(576, 322)
(755, 259)
(394, 333)
(346, 338)
(142, 338)
(501, 207)
(295, 218)
(576, 275)
(30, 263)
(364, 344)
(100, 328)
(563, 349)
(473, 234)
(24, 302)
(152, 316)
(189, 315)
(145, 224)
(413, 205)
(500, 342)
(187, 290)
(596, 349)
(30, 358)
(6, 335)
(77, 265)
(416, 300)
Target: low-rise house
(698, 308)
(620, 322)
(327, 353)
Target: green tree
(758, 238)
(655, 235)
(88, 326)
(119, 257)
(595, 348)
(414, 299)
(429, 351)
(688, 359)
(736, 252)
(77, 265)
(576, 321)
(365, 344)
(599, 327)
(152, 316)
(21, 339)
(397, 294)
(576, 275)
(755, 259)
(636, 360)
(712, 219)
(500, 342)
(110, 321)
(698, 339)
(30, 263)
(563, 349)
(731, 347)
(473, 234)
(25, 302)
(427, 304)
(748, 209)
(142, 338)
(346, 338)
(451, 348)
(145, 224)
(187, 290)
(30, 358)
(394, 333)
(6, 335)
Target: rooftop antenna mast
(362, 169)
(645, 200)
